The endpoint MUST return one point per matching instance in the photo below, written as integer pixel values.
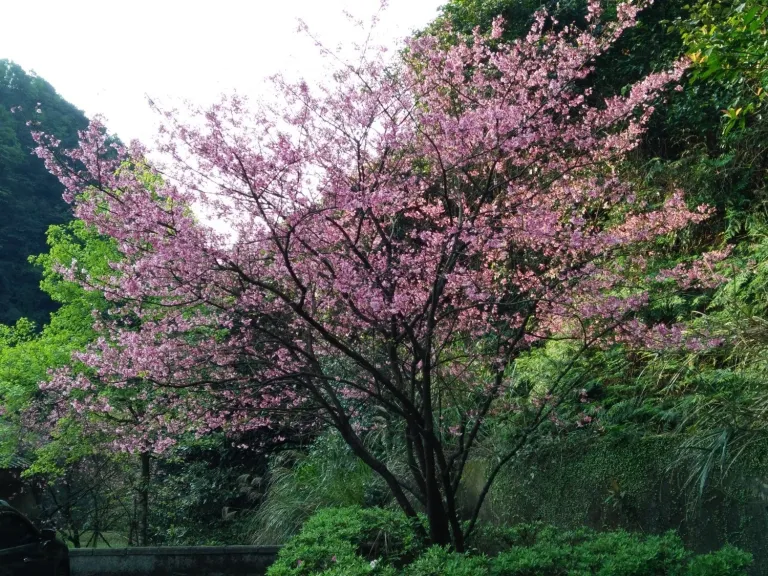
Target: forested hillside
(30, 198)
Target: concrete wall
(173, 561)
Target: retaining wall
(173, 561)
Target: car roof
(6, 508)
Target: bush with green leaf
(726, 40)
(349, 541)
(437, 561)
(356, 541)
(540, 550)
(326, 475)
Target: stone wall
(173, 561)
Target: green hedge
(349, 541)
(355, 541)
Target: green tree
(30, 198)
(728, 43)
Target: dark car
(27, 551)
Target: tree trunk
(75, 538)
(439, 529)
(144, 500)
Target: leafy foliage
(344, 541)
(544, 551)
(299, 483)
(203, 492)
(727, 41)
(349, 541)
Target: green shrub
(328, 475)
(437, 561)
(725, 562)
(350, 541)
(538, 550)
(328, 558)
(377, 542)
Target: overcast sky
(104, 56)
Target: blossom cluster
(405, 228)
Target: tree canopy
(399, 238)
(30, 199)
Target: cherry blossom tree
(395, 240)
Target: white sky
(103, 56)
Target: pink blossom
(400, 233)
